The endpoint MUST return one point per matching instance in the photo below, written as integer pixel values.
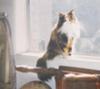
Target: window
(44, 13)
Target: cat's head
(69, 16)
(69, 23)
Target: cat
(62, 40)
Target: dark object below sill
(77, 81)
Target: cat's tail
(42, 63)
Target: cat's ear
(71, 12)
(61, 14)
(71, 15)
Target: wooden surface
(81, 81)
(78, 78)
(35, 85)
(80, 70)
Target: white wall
(21, 33)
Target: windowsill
(89, 62)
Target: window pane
(44, 14)
(41, 20)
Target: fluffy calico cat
(61, 42)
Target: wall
(21, 33)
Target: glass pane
(40, 24)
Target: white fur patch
(71, 29)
